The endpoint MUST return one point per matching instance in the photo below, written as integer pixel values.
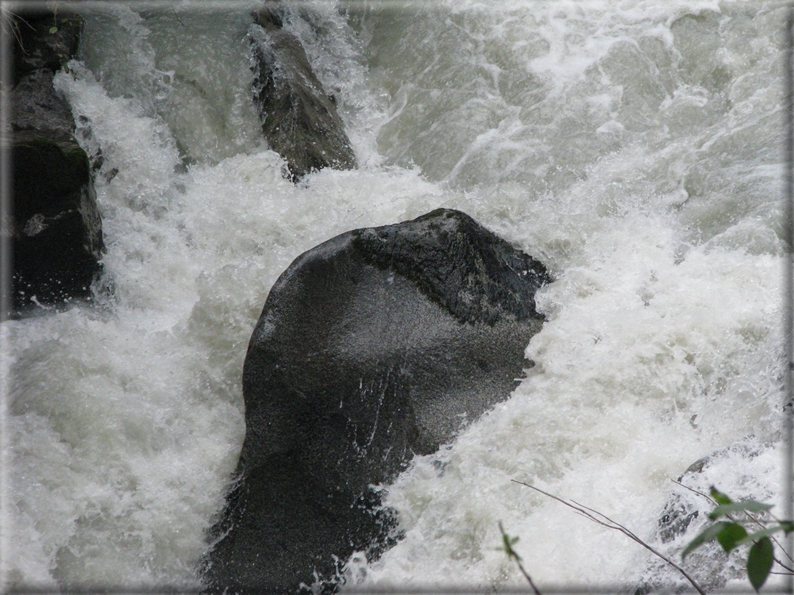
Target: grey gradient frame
(6, 206)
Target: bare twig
(177, 16)
(698, 492)
(14, 19)
(594, 515)
(789, 570)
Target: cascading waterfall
(635, 147)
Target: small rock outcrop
(299, 119)
(373, 347)
(56, 228)
(745, 466)
(43, 39)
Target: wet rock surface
(55, 224)
(299, 119)
(58, 231)
(373, 347)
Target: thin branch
(699, 493)
(758, 522)
(526, 575)
(511, 553)
(610, 524)
(788, 569)
(177, 16)
(785, 553)
(14, 20)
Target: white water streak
(632, 146)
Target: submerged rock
(685, 515)
(56, 227)
(373, 347)
(299, 119)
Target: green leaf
(759, 534)
(53, 30)
(759, 562)
(731, 536)
(745, 506)
(508, 543)
(707, 535)
(787, 526)
(719, 496)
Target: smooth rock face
(56, 227)
(299, 119)
(373, 347)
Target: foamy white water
(635, 147)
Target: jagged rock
(299, 119)
(372, 348)
(38, 108)
(675, 518)
(35, 47)
(56, 227)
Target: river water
(635, 147)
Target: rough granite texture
(299, 119)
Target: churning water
(633, 146)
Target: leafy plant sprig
(732, 533)
(507, 546)
(53, 6)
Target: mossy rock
(57, 240)
(57, 230)
(47, 174)
(35, 46)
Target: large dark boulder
(373, 347)
(55, 223)
(299, 119)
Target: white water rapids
(635, 147)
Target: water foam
(588, 134)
